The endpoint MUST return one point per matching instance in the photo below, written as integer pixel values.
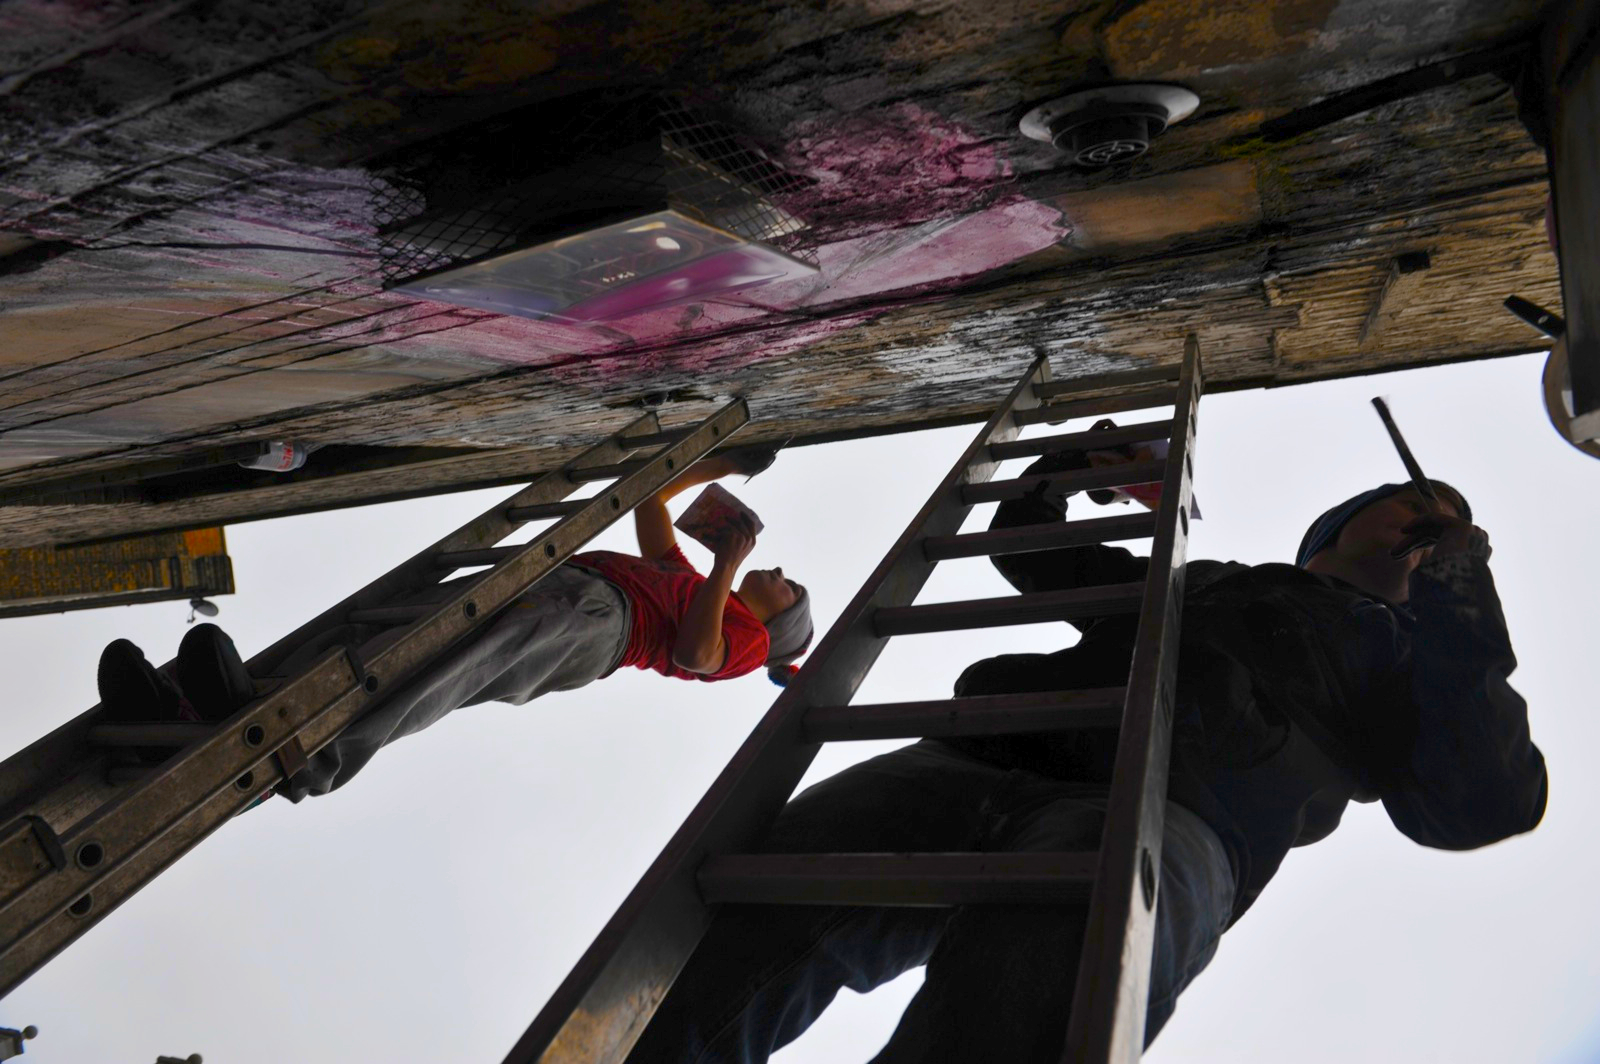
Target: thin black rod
(1423, 485)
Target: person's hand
(1146, 495)
(1100, 459)
(1445, 534)
(737, 540)
(1120, 456)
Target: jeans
(999, 978)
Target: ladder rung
(1080, 603)
(908, 879)
(664, 438)
(466, 559)
(390, 614)
(1082, 441)
(1105, 381)
(1109, 404)
(545, 510)
(1040, 537)
(154, 733)
(1099, 707)
(116, 775)
(608, 472)
(1111, 476)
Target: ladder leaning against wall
(88, 814)
(600, 1010)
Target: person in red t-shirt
(599, 612)
(697, 627)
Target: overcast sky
(426, 911)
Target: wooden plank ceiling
(189, 212)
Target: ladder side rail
(1108, 1009)
(43, 911)
(58, 756)
(603, 1005)
(227, 771)
(453, 618)
(485, 530)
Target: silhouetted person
(1374, 668)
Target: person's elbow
(697, 659)
(1487, 815)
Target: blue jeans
(999, 978)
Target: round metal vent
(1109, 123)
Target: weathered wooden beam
(152, 568)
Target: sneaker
(212, 674)
(130, 687)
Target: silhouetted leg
(566, 632)
(763, 974)
(999, 986)
(1063, 567)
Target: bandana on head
(1325, 529)
(789, 633)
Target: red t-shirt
(660, 591)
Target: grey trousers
(1000, 978)
(568, 631)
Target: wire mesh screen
(568, 166)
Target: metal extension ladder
(599, 1011)
(87, 823)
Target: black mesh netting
(566, 166)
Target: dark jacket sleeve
(1064, 567)
(1472, 775)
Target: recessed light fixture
(1109, 123)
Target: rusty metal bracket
(48, 840)
(291, 757)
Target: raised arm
(701, 646)
(652, 523)
(1471, 774)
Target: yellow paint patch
(356, 58)
(499, 62)
(445, 49)
(1180, 38)
(200, 541)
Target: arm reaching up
(651, 521)
(700, 646)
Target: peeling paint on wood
(205, 165)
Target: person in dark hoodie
(1373, 669)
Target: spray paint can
(280, 456)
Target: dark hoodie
(1297, 693)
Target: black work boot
(131, 689)
(212, 674)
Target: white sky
(427, 910)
